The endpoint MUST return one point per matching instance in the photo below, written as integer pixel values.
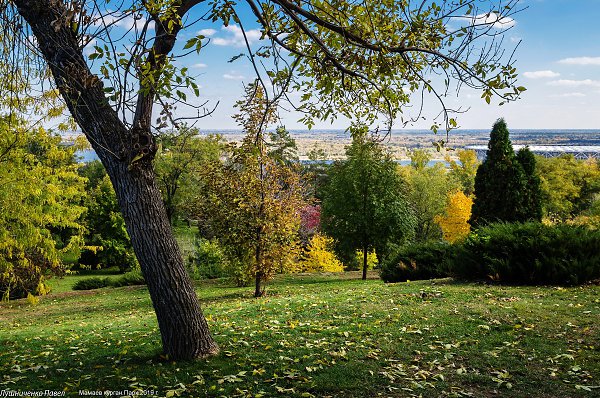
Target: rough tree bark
(127, 156)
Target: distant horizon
(420, 129)
(511, 130)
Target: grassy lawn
(316, 336)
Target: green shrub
(105, 224)
(418, 261)
(131, 278)
(209, 260)
(91, 283)
(530, 253)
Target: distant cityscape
(401, 142)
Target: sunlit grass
(317, 336)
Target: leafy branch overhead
(369, 59)
(362, 60)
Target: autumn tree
(310, 221)
(568, 186)
(252, 201)
(455, 220)
(465, 169)
(183, 154)
(40, 196)
(364, 205)
(428, 188)
(319, 256)
(362, 60)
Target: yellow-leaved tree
(40, 208)
(455, 222)
(372, 260)
(319, 256)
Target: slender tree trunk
(365, 253)
(127, 156)
(258, 291)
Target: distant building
(548, 151)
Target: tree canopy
(40, 196)
(364, 205)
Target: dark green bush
(130, 278)
(418, 261)
(530, 253)
(105, 225)
(91, 283)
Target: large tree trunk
(127, 156)
(184, 331)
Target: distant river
(89, 155)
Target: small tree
(282, 147)
(253, 202)
(310, 222)
(465, 169)
(319, 256)
(364, 206)
(500, 183)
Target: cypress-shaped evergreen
(501, 192)
(531, 205)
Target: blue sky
(558, 61)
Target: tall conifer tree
(500, 183)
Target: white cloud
(581, 61)
(233, 76)
(236, 37)
(199, 66)
(124, 21)
(569, 95)
(515, 39)
(575, 83)
(207, 32)
(495, 20)
(541, 74)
